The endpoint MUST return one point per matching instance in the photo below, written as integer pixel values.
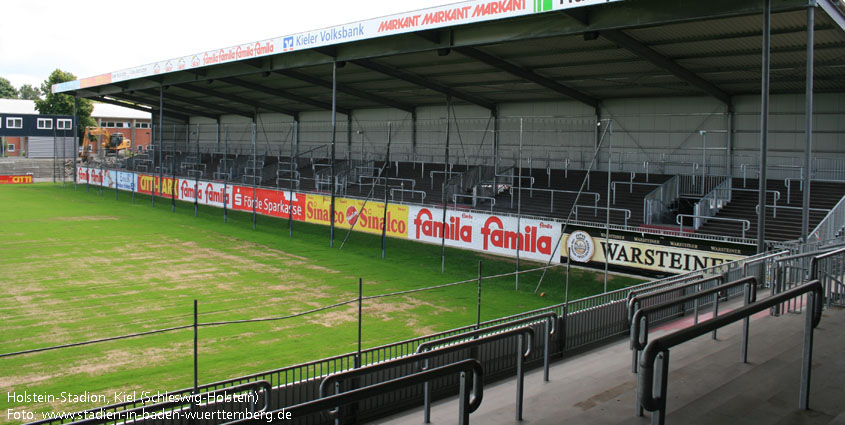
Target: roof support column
(160, 145)
(729, 151)
(334, 139)
(495, 150)
(414, 135)
(349, 138)
(446, 176)
(764, 125)
(808, 117)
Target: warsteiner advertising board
(651, 253)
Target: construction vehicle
(112, 144)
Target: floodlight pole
(808, 122)
(334, 139)
(764, 126)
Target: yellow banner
(365, 218)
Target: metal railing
(829, 269)
(627, 212)
(679, 220)
(656, 203)
(713, 202)
(471, 377)
(831, 226)
(552, 192)
(658, 349)
(474, 198)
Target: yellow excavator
(112, 144)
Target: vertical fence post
(478, 303)
(332, 178)
(293, 165)
(197, 175)
(74, 132)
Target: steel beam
(528, 75)
(764, 125)
(638, 48)
(237, 99)
(343, 88)
(129, 105)
(154, 103)
(808, 122)
(424, 82)
(207, 105)
(283, 93)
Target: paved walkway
(707, 383)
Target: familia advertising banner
(652, 253)
(205, 193)
(496, 234)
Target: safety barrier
(658, 349)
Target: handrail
(595, 195)
(422, 192)
(130, 415)
(660, 346)
(626, 211)
(399, 179)
(631, 184)
(455, 197)
(551, 320)
(635, 300)
(831, 216)
(814, 263)
(761, 259)
(471, 374)
(640, 320)
(746, 225)
(656, 285)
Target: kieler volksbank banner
(467, 12)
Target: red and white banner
(275, 203)
(207, 193)
(496, 234)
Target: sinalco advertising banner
(467, 12)
(366, 217)
(496, 234)
(647, 252)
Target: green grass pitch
(75, 266)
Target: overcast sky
(92, 37)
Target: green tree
(29, 92)
(7, 90)
(62, 104)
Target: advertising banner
(125, 181)
(369, 217)
(9, 179)
(644, 252)
(208, 193)
(82, 175)
(467, 12)
(490, 233)
(151, 185)
(274, 203)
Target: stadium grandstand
(696, 142)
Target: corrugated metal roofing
(724, 50)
